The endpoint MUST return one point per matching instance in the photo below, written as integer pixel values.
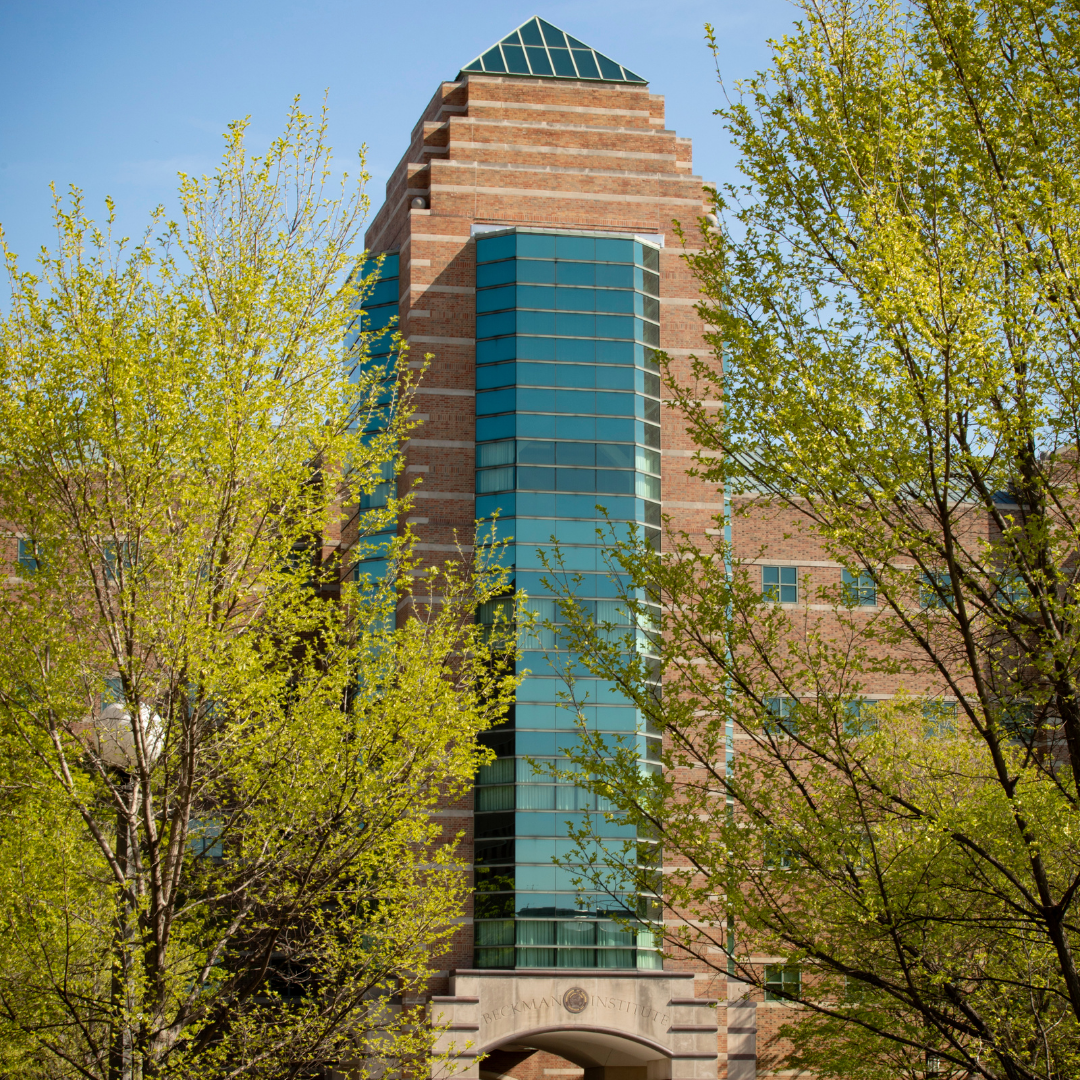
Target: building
(528, 244)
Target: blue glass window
(491, 248)
(780, 584)
(496, 299)
(859, 589)
(781, 716)
(936, 591)
(559, 429)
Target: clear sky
(115, 96)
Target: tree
(221, 751)
(896, 325)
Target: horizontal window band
(564, 348)
(567, 311)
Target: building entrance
(617, 1026)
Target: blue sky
(117, 96)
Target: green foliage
(221, 753)
(895, 312)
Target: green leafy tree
(893, 291)
(221, 750)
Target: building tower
(528, 244)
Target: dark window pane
(536, 375)
(621, 302)
(782, 713)
(495, 247)
(382, 292)
(564, 65)
(582, 248)
(530, 33)
(491, 376)
(536, 958)
(572, 273)
(535, 452)
(576, 479)
(491, 352)
(859, 590)
(532, 479)
(495, 273)
(575, 299)
(532, 322)
(609, 69)
(493, 60)
(553, 35)
(580, 376)
(608, 404)
(532, 270)
(615, 456)
(650, 258)
(538, 59)
(615, 483)
(614, 275)
(571, 453)
(575, 351)
(586, 65)
(515, 59)
(619, 251)
(575, 401)
(536, 246)
(534, 296)
(498, 299)
(576, 325)
(781, 982)
(614, 378)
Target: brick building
(528, 244)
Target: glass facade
(567, 417)
(539, 49)
(378, 317)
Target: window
(381, 494)
(782, 982)
(1016, 719)
(859, 589)
(859, 718)
(781, 719)
(855, 990)
(204, 838)
(777, 854)
(857, 850)
(28, 556)
(936, 591)
(118, 553)
(939, 719)
(1013, 591)
(780, 584)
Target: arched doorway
(613, 1026)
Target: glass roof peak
(538, 48)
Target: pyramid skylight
(538, 48)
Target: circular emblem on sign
(575, 1000)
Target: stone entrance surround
(616, 1026)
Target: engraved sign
(575, 1000)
